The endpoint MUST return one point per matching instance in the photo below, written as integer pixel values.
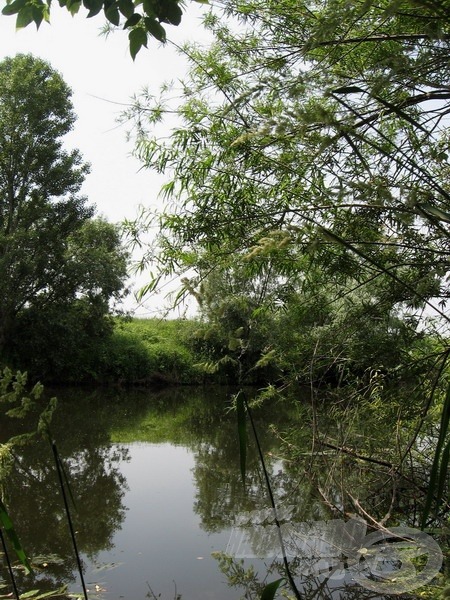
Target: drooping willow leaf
(8, 527)
(439, 470)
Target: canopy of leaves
(141, 18)
(52, 253)
(312, 130)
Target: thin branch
(355, 454)
(385, 37)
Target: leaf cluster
(141, 18)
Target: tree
(298, 130)
(311, 146)
(74, 328)
(53, 254)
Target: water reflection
(35, 502)
(157, 485)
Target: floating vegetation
(106, 566)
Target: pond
(160, 505)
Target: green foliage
(39, 208)
(307, 194)
(440, 468)
(149, 351)
(38, 595)
(57, 263)
(240, 576)
(8, 527)
(62, 339)
(281, 158)
(63, 343)
(17, 403)
(140, 18)
(270, 589)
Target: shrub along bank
(128, 351)
(149, 351)
(123, 351)
(176, 351)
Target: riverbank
(152, 351)
(138, 352)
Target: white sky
(100, 72)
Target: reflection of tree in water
(220, 499)
(82, 427)
(36, 505)
(355, 466)
(250, 579)
(220, 493)
(199, 420)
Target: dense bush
(61, 343)
(81, 346)
(145, 351)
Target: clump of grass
(148, 351)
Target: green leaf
(439, 469)
(270, 590)
(36, 595)
(155, 29)
(94, 7)
(149, 287)
(113, 15)
(171, 13)
(29, 594)
(443, 473)
(150, 8)
(234, 343)
(24, 17)
(434, 211)
(242, 433)
(348, 89)
(126, 7)
(132, 21)
(7, 524)
(73, 6)
(14, 7)
(138, 38)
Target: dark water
(158, 492)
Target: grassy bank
(125, 351)
(149, 351)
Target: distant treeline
(147, 352)
(134, 352)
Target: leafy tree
(303, 146)
(311, 149)
(54, 258)
(75, 328)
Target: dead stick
(351, 452)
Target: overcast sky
(102, 76)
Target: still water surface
(157, 486)
(161, 539)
